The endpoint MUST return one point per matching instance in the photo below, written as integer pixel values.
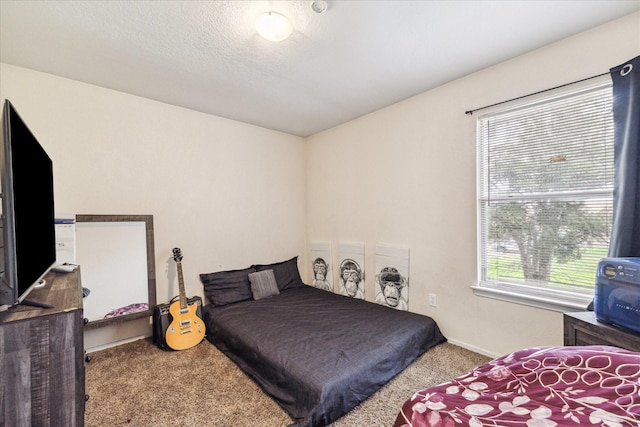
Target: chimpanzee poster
(351, 269)
(321, 266)
(392, 276)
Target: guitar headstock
(177, 254)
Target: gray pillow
(286, 273)
(263, 284)
(227, 287)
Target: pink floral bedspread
(536, 387)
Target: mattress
(316, 353)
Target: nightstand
(582, 328)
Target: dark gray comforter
(319, 354)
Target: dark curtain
(625, 234)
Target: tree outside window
(545, 195)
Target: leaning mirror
(117, 266)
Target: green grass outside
(580, 272)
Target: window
(545, 198)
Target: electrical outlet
(433, 300)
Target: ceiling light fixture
(273, 26)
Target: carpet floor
(137, 384)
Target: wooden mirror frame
(151, 269)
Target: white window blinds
(545, 193)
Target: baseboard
(473, 348)
(117, 343)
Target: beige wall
(227, 193)
(406, 175)
(403, 175)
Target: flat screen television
(28, 218)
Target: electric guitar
(186, 329)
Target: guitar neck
(183, 297)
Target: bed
(536, 387)
(316, 353)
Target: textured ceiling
(356, 57)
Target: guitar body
(186, 328)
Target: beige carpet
(137, 384)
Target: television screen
(28, 218)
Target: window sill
(539, 298)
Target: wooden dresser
(582, 328)
(42, 357)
